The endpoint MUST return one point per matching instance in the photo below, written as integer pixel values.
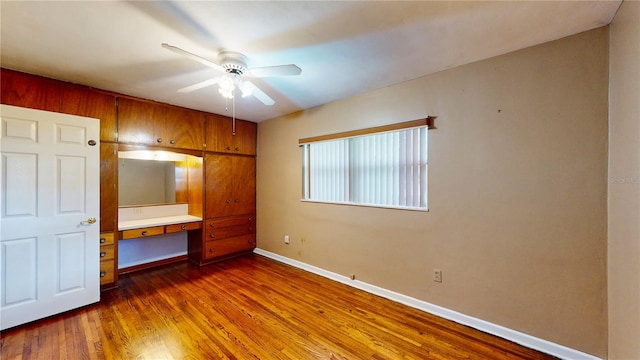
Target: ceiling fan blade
(278, 70)
(249, 88)
(200, 85)
(195, 57)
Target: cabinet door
(108, 189)
(29, 91)
(218, 133)
(246, 137)
(244, 185)
(138, 120)
(83, 101)
(230, 185)
(220, 138)
(183, 128)
(218, 185)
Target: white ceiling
(344, 48)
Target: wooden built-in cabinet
(230, 185)
(230, 205)
(108, 186)
(153, 124)
(228, 170)
(159, 230)
(36, 92)
(30, 91)
(107, 259)
(220, 137)
(224, 238)
(229, 236)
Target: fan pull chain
(233, 118)
(233, 113)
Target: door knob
(90, 220)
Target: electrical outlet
(286, 239)
(437, 275)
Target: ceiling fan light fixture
(226, 86)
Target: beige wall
(517, 192)
(624, 184)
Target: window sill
(366, 205)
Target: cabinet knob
(172, 142)
(103, 254)
(184, 227)
(210, 224)
(237, 201)
(228, 201)
(103, 274)
(228, 147)
(211, 235)
(103, 240)
(159, 140)
(250, 219)
(237, 149)
(144, 233)
(211, 250)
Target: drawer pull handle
(144, 233)
(103, 274)
(228, 201)
(159, 140)
(184, 227)
(103, 254)
(210, 224)
(237, 149)
(172, 142)
(211, 235)
(103, 240)
(228, 147)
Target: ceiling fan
(233, 65)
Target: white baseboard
(529, 341)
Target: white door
(49, 197)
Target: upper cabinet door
(220, 137)
(84, 101)
(30, 91)
(183, 128)
(137, 121)
(155, 124)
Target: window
(383, 167)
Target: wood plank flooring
(248, 308)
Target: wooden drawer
(106, 238)
(219, 248)
(106, 252)
(225, 232)
(142, 232)
(107, 271)
(182, 227)
(230, 221)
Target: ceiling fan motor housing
(233, 62)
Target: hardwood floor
(248, 308)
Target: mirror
(152, 177)
(144, 182)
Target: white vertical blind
(382, 169)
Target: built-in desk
(154, 235)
